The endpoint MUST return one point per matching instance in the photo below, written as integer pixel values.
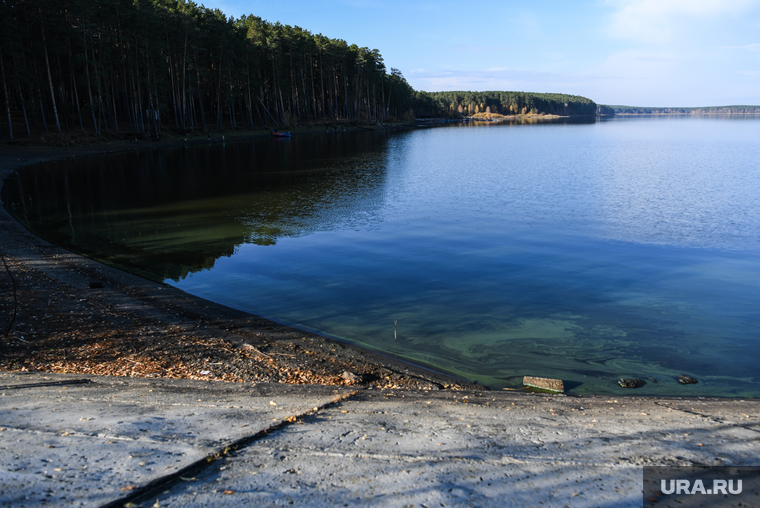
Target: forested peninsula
(511, 103)
(140, 67)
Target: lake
(580, 250)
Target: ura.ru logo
(686, 487)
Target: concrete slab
(94, 441)
(404, 448)
(86, 441)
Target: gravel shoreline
(75, 315)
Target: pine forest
(141, 66)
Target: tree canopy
(140, 65)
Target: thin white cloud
(649, 69)
(555, 56)
(748, 47)
(472, 48)
(658, 21)
(502, 79)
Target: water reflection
(537, 120)
(165, 214)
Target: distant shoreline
(687, 114)
(495, 116)
(674, 111)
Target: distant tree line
(603, 110)
(506, 103)
(717, 110)
(110, 66)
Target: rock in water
(554, 385)
(686, 380)
(631, 383)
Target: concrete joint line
(707, 417)
(49, 433)
(696, 413)
(416, 458)
(523, 460)
(159, 484)
(51, 383)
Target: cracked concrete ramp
(88, 441)
(75, 440)
(413, 448)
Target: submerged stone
(631, 383)
(554, 385)
(686, 380)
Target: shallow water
(580, 251)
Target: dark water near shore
(580, 251)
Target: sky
(657, 53)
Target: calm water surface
(580, 251)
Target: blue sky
(633, 52)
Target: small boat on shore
(281, 134)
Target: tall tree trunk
(248, 92)
(313, 91)
(283, 109)
(50, 77)
(113, 80)
(62, 89)
(219, 115)
(274, 91)
(113, 105)
(101, 113)
(7, 99)
(184, 87)
(42, 112)
(369, 107)
(390, 89)
(157, 114)
(138, 105)
(151, 109)
(305, 97)
(74, 86)
(89, 85)
(322, 85)
(23, 109)
(19, 88)
(345, 91)
(172, 77)
(127, 77)
(270, 114)
(382, 93)
(294, 92)
(334, 113)
(200, 94)
(233, 123)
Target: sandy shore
(69, 314)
